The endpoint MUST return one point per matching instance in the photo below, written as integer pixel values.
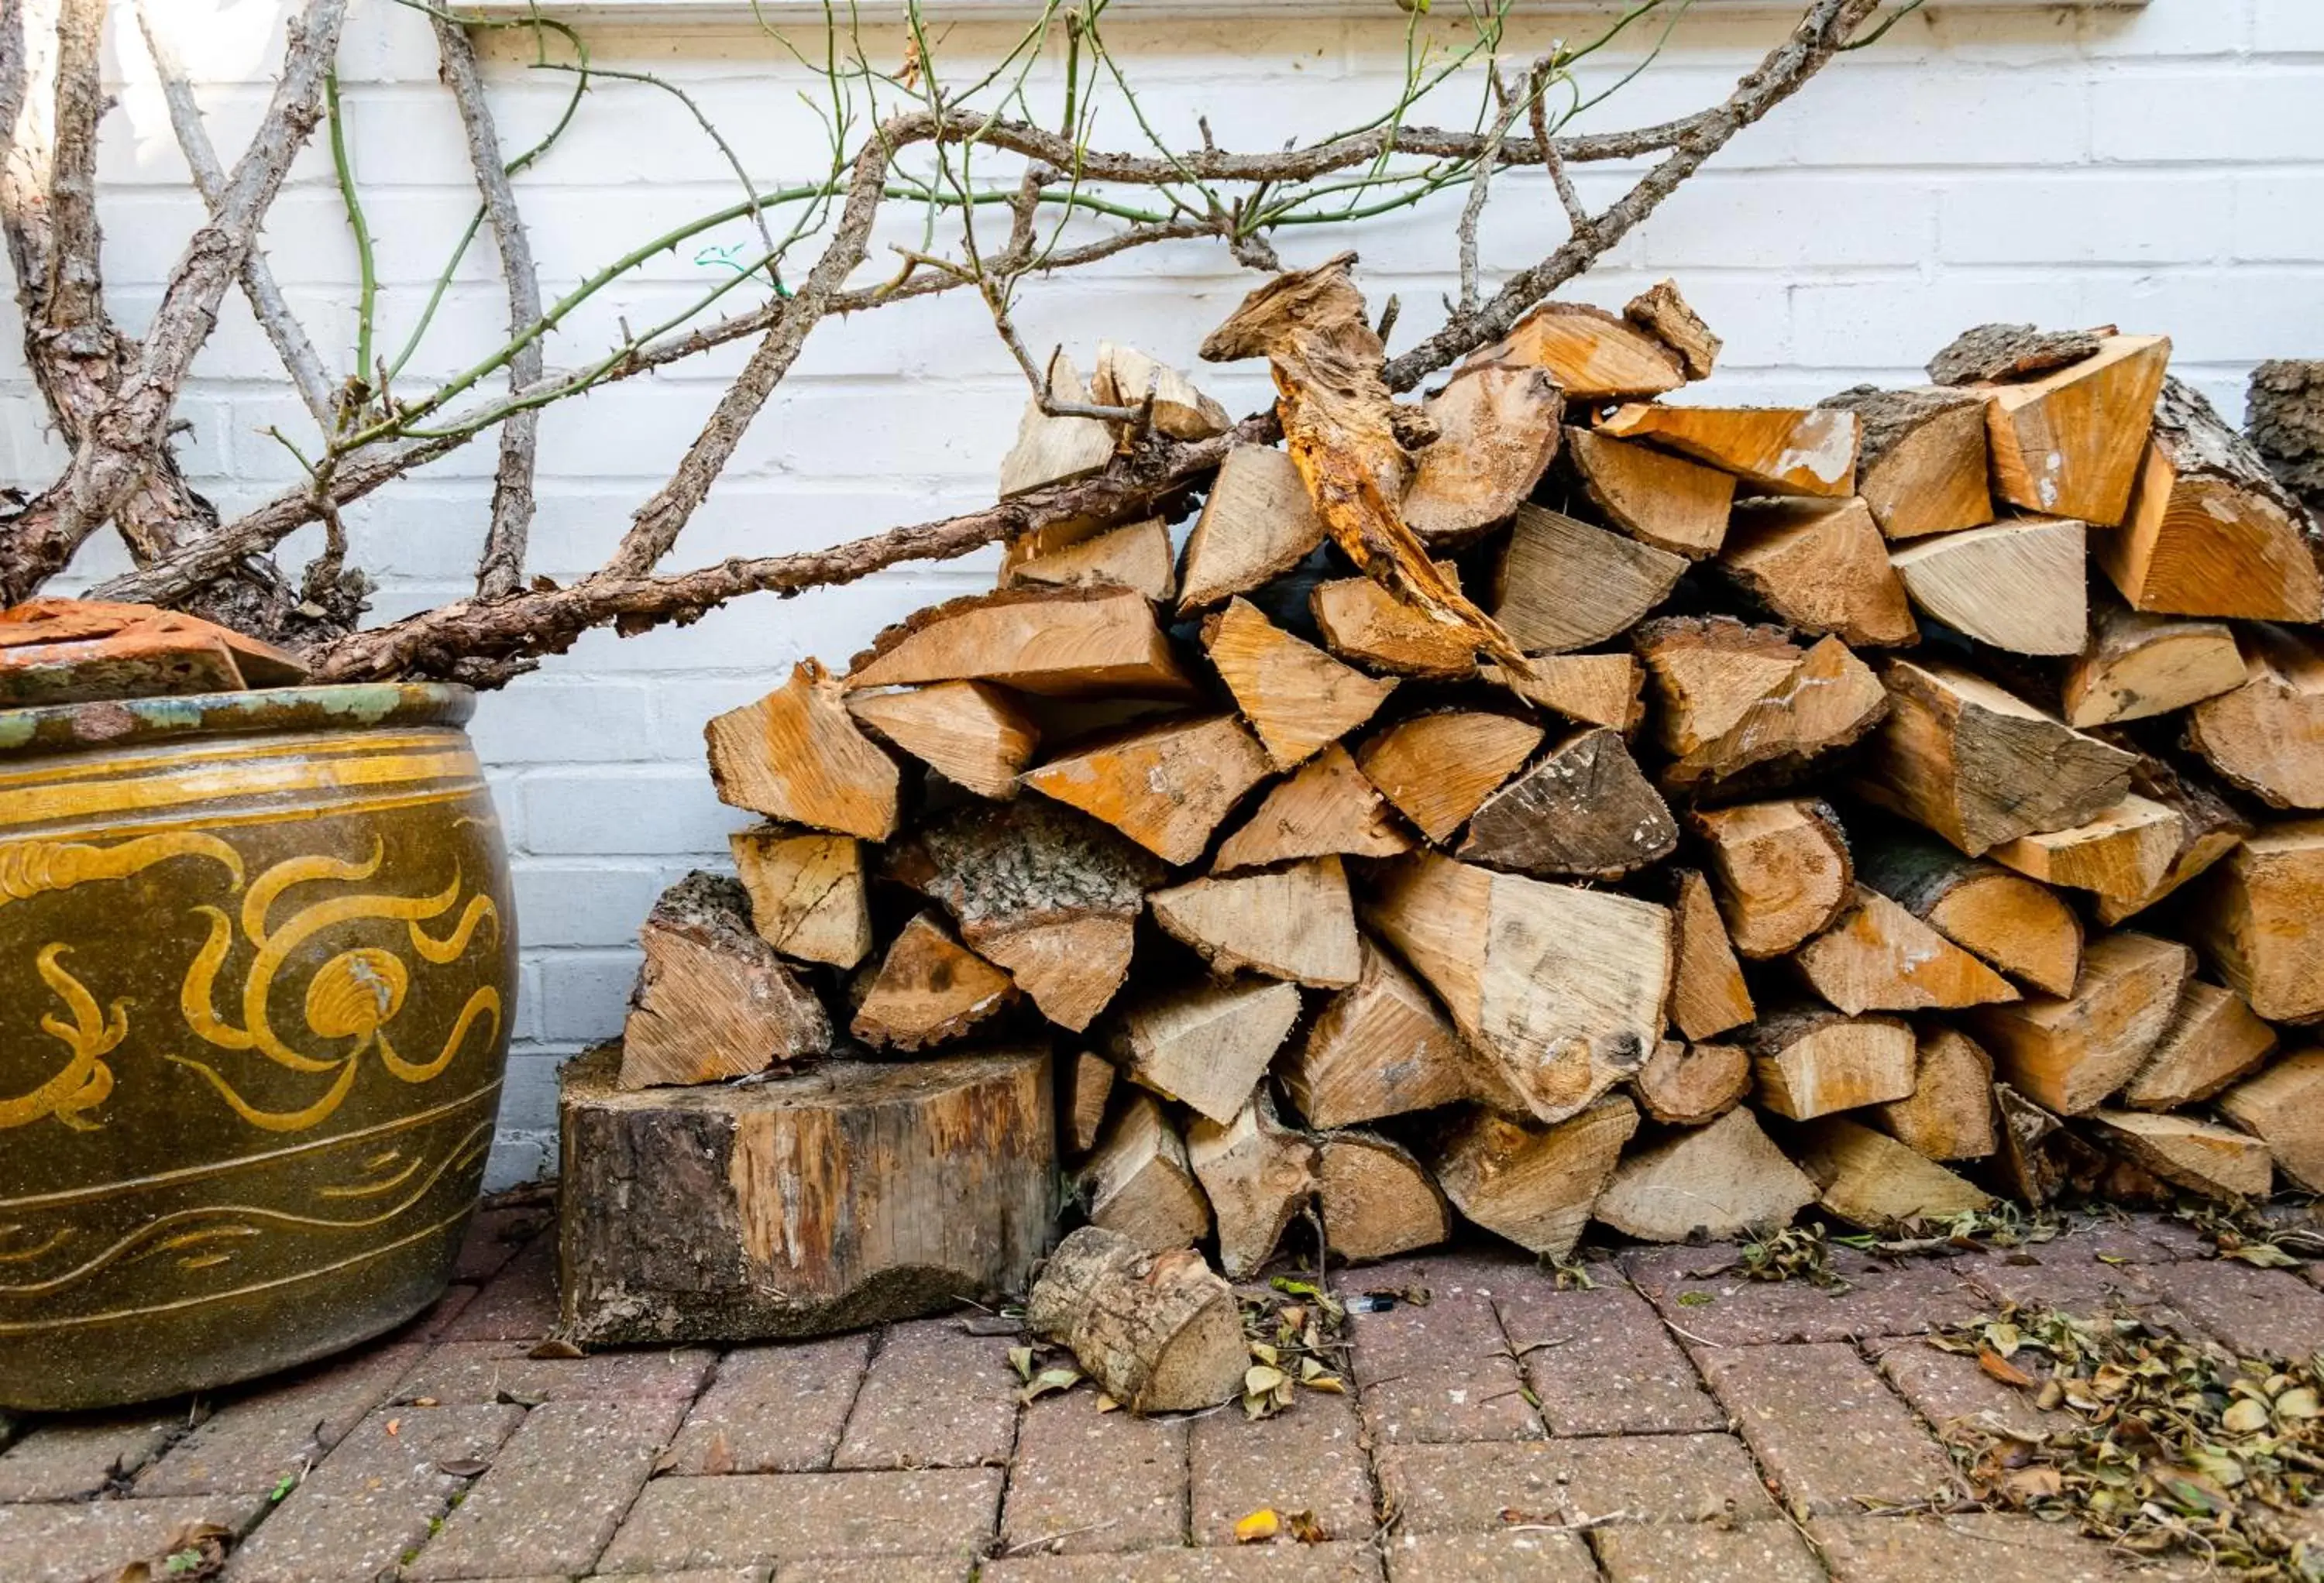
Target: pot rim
(69, 728)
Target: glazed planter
(257, 957)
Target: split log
(1708, 994)
(795, 755)
(850, 1195)
(1718, 1181)
(2019, 586)
(1781, 870)
(2011, 922)
(1496, 433)
(1822, 566)
(1687, 1085)
(2209, 530)
(2256, 918)
(2124, 853)
(2283, 1107)
(1663, 314)
(1158, 1332)
(1775, 450)
(1127, 377)
(806, 892)
(1949, 1114)
(2209, 828)
(2068, 1053)
(2212, 1040)
(1139, 1184)
(1980, 766)
(1922, 465)
(1376, 1200)
(1380, 1047)
(971, 733)
(1534, 1184)
(2266, 736)
(2284, 413)
(1810, 1061)
(2025, 1159)
(1167, 787)
(1256, 524)
(1989, 352)
(1054, 450)
(1595, 689)
(1208, 1045)
(2202, 1156)
(1737, 698)
(1563, 585)
(1562, 988)
(1583, 809)
(2139, 665)
(1876, 956)
(1593, 355)
(1061, 642)
(930, 989)
(1359, 620)
(1657, 499)
(2067, 443)
(1088, 1085)
(1871, 1180)
(1327, 807)
(712, 1000)
(1136, 557)
(1294, 923)
(1257, 1174)
(1297, 697)
(1437, 768)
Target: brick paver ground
(1670, 1422)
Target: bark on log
(712, 1000)
(2012, 922)
(1922, 467)
(1687, 1085)
(1156, 1332)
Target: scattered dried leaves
(1297, 1333)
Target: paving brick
(1825, 1428)
(1648, 1478)
(1702, 1552)
(1991, 1547)
(78, 1541)
(1599, 1361)
(1880, 1299)
(2251, 1310)
(431, 1324)
(1952, 1387)
(1257, 1563)
(279, 1429)
(2067, 1275)
(774, 1409)
(1489, 1558)
(935, 1397)
(748, 1518)
(371, 1502)
(71, 1457)
(1085, 1480)
(883, 1570)
(1310, 1459)
(518, 1304)
(487, 1371)
(1440, 1371)
(494, 1237)
(556, 1491)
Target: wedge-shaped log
(1294, 923)
(1663, 314)
(2283, 1107)
(1436, 768)
(1256, 524)
(712, 1000)
(1137, 557)
(2067, 444)
(1139, 1184)
(2068, 1053)
(1688, 1084)
(806, 892)
(1167, 787)
(1775, 450)
(1532, 1183)
(1563, 585)
(1922, 465)
(1087, 1083)
(1822, 566)
(795, 755)
(1563, 989)
(1878, 957)
(1949, 1115)
(2213, 1040)
(1257, 1174)
(2209, 828)
(1051, 449)
(2138, 665)
(1595, 689)
(1657, 499)
(930, 989)
(2124, 852)
(1708, 994)
(1718, 1180)
(1781, 870)
(1736, 698)
(1208, 1045)
(1362, 621)
(1297, 697)
(2016, 924)
(1327, 807)
(1061, 642)
(1593, 355)
(1127, 377)
(1871, 1180)
(2019, 586)
(1810, 1061)
(971, 733)
(1583, 809)
(1376, 1200)
(1158, 1332)
(1380, 1047)
(2202, 1156)
(2266, 736)
(1496, 433)
(2256, 918)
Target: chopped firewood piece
(1208, 1045)
(1257, 1174)
(1980, 766)
(1593, 355)
(1596, 689)
(1688, 1084)
(2284, 1107)
(1380, 1047)
(1563, 585)
(797, 755)
(2201, 1156)
(1922, 467)
(1054, 450)
(1949, 1114)
(2019, 586)
(2012, 923)
(1136, 557)
(1736, 698)
(2124, 852)
(2284, 413)
(1561, 989)
(806, 892)
(1139, 1184)
(1127, 377)
(1657, 499)
(1327, 807)
(1361, 620)
(1377, 1201)
(1708, 995)
(2138, 665)
(1436, 768)
(2209, 530)
(1294, 923)
(2266, 736)
(2209, 828)
(1880, 957)
(1165, 786)
(1063, 642)
(1496, 434)
(2024, 1156)
(1871, 1180)
(2256, 918)
(1256, 524)
(1809, 1060)
(1086, 1083)
(2213, 1039)
(1718, 1180)
(2069, 1053)
(1532, 1183)
(1158, 1332)
(1662, 313)
(712, 1000)
(1781, 872)
(1582, 809)
(1822, 566)
(2011, 352)
(929, 989)
(1296, 697)
(1776, 450)
(58, 651)
(2067, 444)
(971, 733)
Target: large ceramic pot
(257, 957)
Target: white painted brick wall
(2164, 169)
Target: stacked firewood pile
(1702, 812)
